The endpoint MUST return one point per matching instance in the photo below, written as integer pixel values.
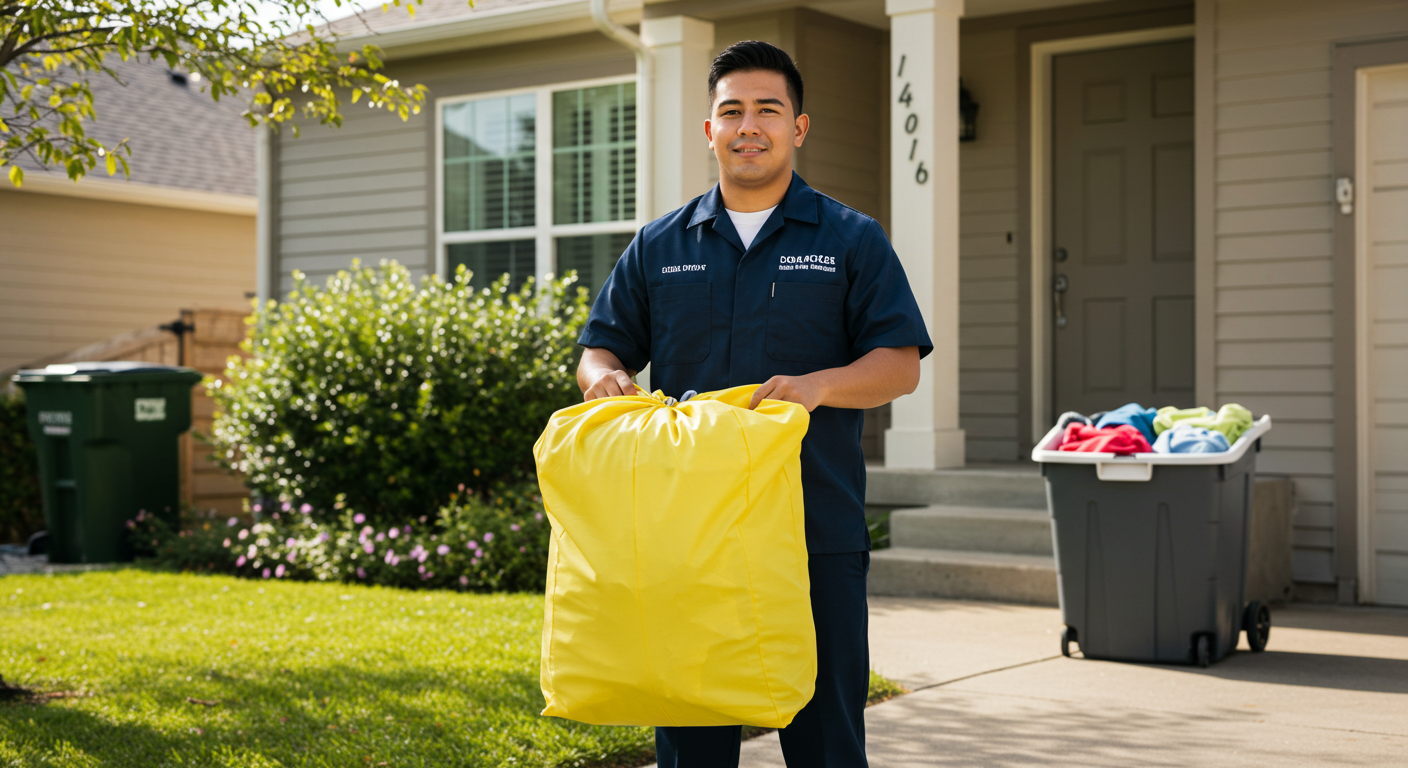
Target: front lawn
(139, 668)
(181, 670)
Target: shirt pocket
(806, 323)
(680, 323)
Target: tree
(50, 48)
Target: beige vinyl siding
(367, 190)
(1274, 222)
(75, 272)
(988, 337)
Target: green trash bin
(107, 440)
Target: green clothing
(1231, 420)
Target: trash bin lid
(91, 370)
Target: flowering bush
(383, 394)
(480, 541)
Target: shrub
(480, 541)
(379, 394)
(21, 503)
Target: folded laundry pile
(1133, 428)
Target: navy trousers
(830, 731)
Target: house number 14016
(911, 124)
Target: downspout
(645, 84)
(264, 218)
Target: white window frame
(544, 232)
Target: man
(765, 280)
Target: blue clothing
(819, 287)
(1190, 439)
(1135, 415)
(830, 729)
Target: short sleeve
(880, 306)
(620, 317)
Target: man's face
(753, 127)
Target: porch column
(924, 220)
(682, 49)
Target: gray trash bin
(1151, 550)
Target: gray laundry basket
(1151, 550)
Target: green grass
(291, 674)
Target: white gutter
(136, 193)
(645, 86)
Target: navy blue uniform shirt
(819, 288)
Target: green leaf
(16, 175)
(112, 164)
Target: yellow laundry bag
(677, 587)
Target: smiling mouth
(749, 151)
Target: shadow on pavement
(955, 728)
(1311, 670)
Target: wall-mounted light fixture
(967, 114)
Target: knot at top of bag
(660, 395)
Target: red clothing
(1122, 440)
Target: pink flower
(522, 549)
(258, 507)
(359, 518)
(488, 537)
(471, 545)
(513, 527)
(291, 555)
(474, 561)
(408, 530)
(131, 524)
(442, 550)
(368, 547)
(361, 574)
(464, 581)
(234, 521)
(425, 576)
(306, 509)
(244, 534)
(323, 537)
(381, 537)
(266, 573)
(393, 533)
(538, 516)
(291, 541)
(239, 563)
(461, 487)
(421, 569)
(227, 543)
(390, 555)
(287, 506)
(279, 572)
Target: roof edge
(496, 27)
(140, 194)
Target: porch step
(956, 574)
(973, 529)
(1014, 486)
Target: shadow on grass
(332, 715)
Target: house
(83, 263)
(1165, 201)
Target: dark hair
(753, 56)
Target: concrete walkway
(991, 689)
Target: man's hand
(601, 374)
(877, 378)
(805, 391)
(610, 384)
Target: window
(522, 201)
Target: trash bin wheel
(1202, 651)
(1068, 635)
(1256, 622)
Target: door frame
(1354, 562)
(1039, 219)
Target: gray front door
(1122, 175)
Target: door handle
(1058, 290)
